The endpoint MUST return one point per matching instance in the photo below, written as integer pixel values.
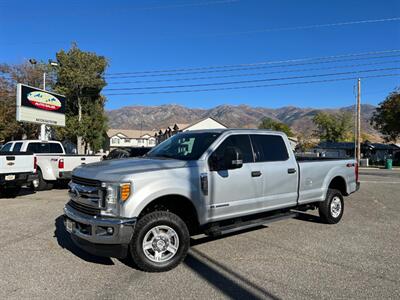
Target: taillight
(35, 164)
(356, 171)
(61, 164)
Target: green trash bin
(389, 164)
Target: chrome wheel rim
(336, 207)
(160, 243)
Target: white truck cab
(52, 162)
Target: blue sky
(156, 35)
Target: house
(130, 138)
(377, 153)
(208, 123)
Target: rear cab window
(269, 148)
(55, 148)
(38, 147)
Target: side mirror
(233, 158)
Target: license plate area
(69, 225)
(9, 177)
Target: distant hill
(240, 116)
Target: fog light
(110, 230)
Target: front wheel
(160, 242)
(331, 210)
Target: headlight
(114, 194)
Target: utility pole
(43, 126)
(358, 137)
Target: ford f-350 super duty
(211, 182)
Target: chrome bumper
(94, 228)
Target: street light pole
(43, 126)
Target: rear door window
(17, 147)
(269, 148)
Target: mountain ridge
(237, 116)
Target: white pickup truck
(16, 170)
(52, 162)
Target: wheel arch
(338, 183)
(177, 204)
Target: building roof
(189, 125)
(129, 133)
(350, 145)
(183, 126)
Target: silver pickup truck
(199, 182)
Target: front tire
(160, 242)
(12, 192)
(331, 210)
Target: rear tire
(331, 210)
(43, 184)
(160, 242)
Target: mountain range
(152, 118)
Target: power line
(253, 86)
(249, 81)
(252, 74)
(307, 27)
(260, 63)
(253, 68)
(179, 5)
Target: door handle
(291, 170)
(255, 174)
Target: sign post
(40, 106)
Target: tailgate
(71, 162)
(13, 163)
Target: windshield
(184, 146)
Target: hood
(113, 170)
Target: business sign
(39, 106)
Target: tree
(10, 76)
(80, 77)
(268, 123)
(386, 119)
(333, 127)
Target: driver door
(235, 191)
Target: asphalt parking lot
(300, 258)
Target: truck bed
(317, 173)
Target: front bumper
(19, 180)
(90, 233)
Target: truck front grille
(86, 181)
(84, 208)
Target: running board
(217, 229)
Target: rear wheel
(331, 210)
(43, 184)
(160, 242)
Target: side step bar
(218, 229)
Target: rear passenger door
(278, 168)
